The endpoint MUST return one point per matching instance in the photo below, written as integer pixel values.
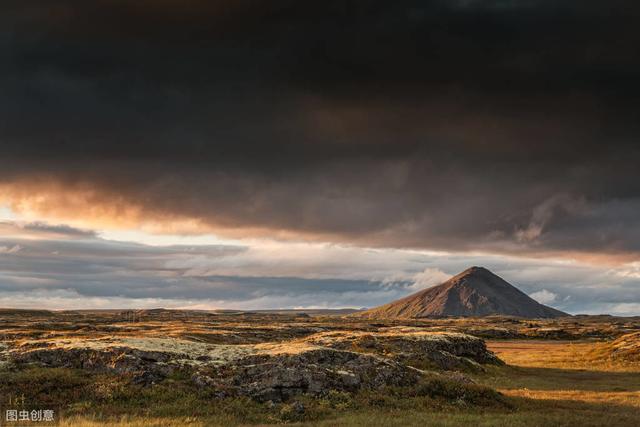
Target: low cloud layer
(544, 296)
(92, 272)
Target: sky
(326, 154)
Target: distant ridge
(474, 292)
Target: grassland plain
(593, 379)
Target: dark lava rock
(447, 351)
(314, 371)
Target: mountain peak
(474, 292)
(475, 270)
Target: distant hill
(474, 292)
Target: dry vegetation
(581, 371)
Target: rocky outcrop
(495, 333)
(447, 351)
(146, 360)
(144, 367)
(263, 372)
(314, 371)
(345, 361)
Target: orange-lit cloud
(84, 205)
(98, 206)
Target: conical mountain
(474, 292)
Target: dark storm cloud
(499, 125)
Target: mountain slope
(474, 292)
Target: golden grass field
(545, 382)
